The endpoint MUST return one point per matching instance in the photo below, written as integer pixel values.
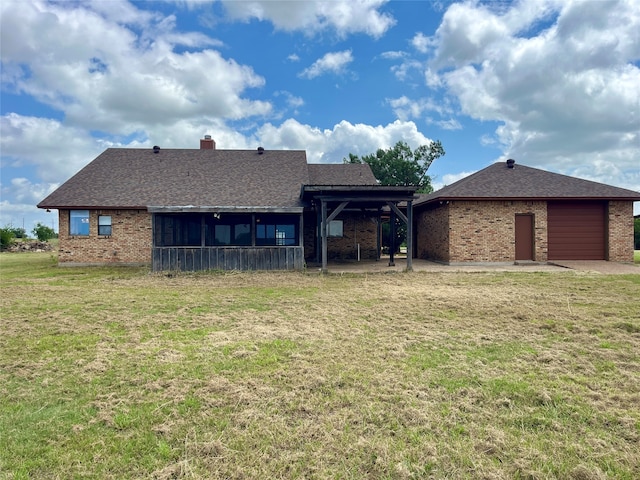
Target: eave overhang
(221, 209)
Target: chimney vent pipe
(511, 163)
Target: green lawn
(119, 373)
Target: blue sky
(551, 83)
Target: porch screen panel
(227, 230)
(280, 230)
(178, 230)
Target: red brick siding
(478, 231)
(620, 238)
(357, 229)
(130, 240)
(432, 234)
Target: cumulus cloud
(332, 62)
(55, 150)
(106, 75)
(566, 94)
(345, 17)
(421, 42)
(332, 145)
(406, 108)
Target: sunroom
(200, 238)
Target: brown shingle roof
(139, 178)
(341, 174)
(130, 178)
(497, 181)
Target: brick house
(207, 208)
(513, 213)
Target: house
(514, 213)
(208, 208)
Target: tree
(399, 165)
(6, 237)
(18, 232)
(636, 233)
(43, 233)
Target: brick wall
(130, 240)
(478, 231)
(620, 239)
(432, 233)
(357, 229)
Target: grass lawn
(119, 373)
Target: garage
(576, 230)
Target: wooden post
(409, 235)
(392, 238)
(323, 227)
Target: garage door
(576, 230)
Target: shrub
(6, 237)
(43, 233)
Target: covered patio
(330, 200)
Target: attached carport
(330, 200)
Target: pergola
(332, 199)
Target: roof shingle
(498, 181)
(140, 178)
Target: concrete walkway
(382, 266)
(600, 266)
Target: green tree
(399, 165)
(43, 233)
(6, 237)
(636, 233)
(18, 232)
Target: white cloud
(450, 124)
(448, 179)
(332, 145)
(406, 108)
(345, 17)
(393, 55)
(421, 42)
(566, 95)
(55, 150)
(332, 62)
(105, 75)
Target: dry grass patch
(117, 373)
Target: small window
(79, 222)
(104, 225)
(336, 228)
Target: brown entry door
(524, 237)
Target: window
(104, 225)
(79, 222)
(277, 230)
(336, 228)
(226, 229)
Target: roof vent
(156, 149)
(207, 137)
(260, 150)
(511, 163)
